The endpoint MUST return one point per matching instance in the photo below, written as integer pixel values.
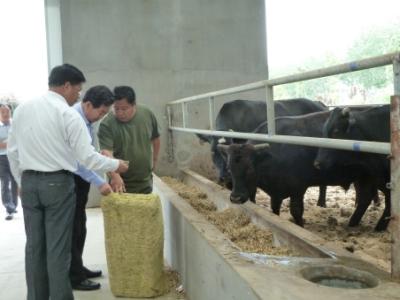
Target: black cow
(282, 170)
(371, 169)
(245, 116)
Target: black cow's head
(220, 161)
(242, 161)
(338, 126)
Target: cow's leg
(385, 218)
(276, 205)
(322, 196)
(297, 208)
(253, 196)
(357, 188)
(365, 191)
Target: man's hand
(123, 166)
(117, 183)
(105, 189)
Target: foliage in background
(375, 42)
(363, 87)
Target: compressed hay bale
(134, 239)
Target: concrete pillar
(53, 33)
(168, 50)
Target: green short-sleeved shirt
(132, 141)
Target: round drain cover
(340, 277)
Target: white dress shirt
(48, 135)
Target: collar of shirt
(79, 109)
(57, 96)
(8, 124)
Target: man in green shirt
(131, 133)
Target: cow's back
(246, 115)
(241, 115)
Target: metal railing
(375, 147)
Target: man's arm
(156, 150)
(93, 178)
(116, 181)
(84, 152)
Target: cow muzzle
(237, 199)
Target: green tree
(374, 42)
(316, 89)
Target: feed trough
(214, 267)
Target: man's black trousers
(77, 271)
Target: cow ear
(261, 151)
(204, 138)
(261, 146)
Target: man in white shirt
(9, 194)
(46, 140)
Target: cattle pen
(391, 149)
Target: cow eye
(237, 159)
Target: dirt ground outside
(330, 223)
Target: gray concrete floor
(12, 272)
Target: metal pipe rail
(373, 147)
(368, 63)
(391, 58)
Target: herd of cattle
(286, 171)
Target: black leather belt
(47, 173)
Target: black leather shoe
(86, 285)
(92, 274)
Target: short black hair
(6, 105)
(99, 95)
(125, 92)
(65, 73)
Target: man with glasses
(46, 140)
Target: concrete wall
(168, 50)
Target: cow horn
(222, 141)
(346, 111)
(261, 146)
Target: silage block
(134, 238)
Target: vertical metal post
(184, 114)
(211, 109)
(270, 109)
(395, 186)
(170, 142)
(396, 75)
(169, 116)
